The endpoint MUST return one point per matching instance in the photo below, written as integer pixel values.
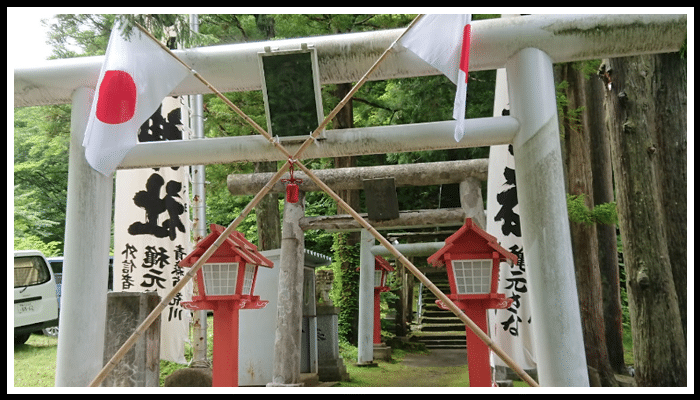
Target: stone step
(443, 340)
(436, 312)
(439, 329)
(443, 327)
(441, 320)
(445, 345)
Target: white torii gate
(527, 47)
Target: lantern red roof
(380, 264)
(383, 264)
(235, 247)
(469, 239)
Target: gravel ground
(437, 358)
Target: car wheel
(51, 331)
(21, 338)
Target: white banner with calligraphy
(152, 231)
(510, 328)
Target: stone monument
(330, 364)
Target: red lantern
(226, 284)
(473, 258)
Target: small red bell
(292, 192)
(292, 187)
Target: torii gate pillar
(86, 259)
(558, 336)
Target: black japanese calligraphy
(154, 261)
(128, 266)
(508, 199)
(158, 128)
(154, 205)
(516, 280)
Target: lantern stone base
(333, 371)
(382, 352)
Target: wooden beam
(406, 219)
(425, 174)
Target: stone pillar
(365, 329)
(286, 367)
(330, 365)
(140, 367)
(472, 201)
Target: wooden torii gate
(526, 46)
(467, 173)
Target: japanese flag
(442, 40)
(136, 75)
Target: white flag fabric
(136, 75)
(442, 40)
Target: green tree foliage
(40, 177)
(346, 258)
(605, 214)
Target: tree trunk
(636, 116)
(343, 120)
(584, 237)
(670, 137)
(267, 214)
(601, 168)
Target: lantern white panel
(378, 279)
(248, 277)
(220, 279)
(472, 276)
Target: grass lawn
(35, 362)
(395, 374)
(35, 366)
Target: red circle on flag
(117, 100)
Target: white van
(36, 300)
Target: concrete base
(382, 352)
(140, 367)
(367, 364)
(333, 371)
(273, 384)
(307, 379)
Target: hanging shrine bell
(292, 187)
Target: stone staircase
(437, 328)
